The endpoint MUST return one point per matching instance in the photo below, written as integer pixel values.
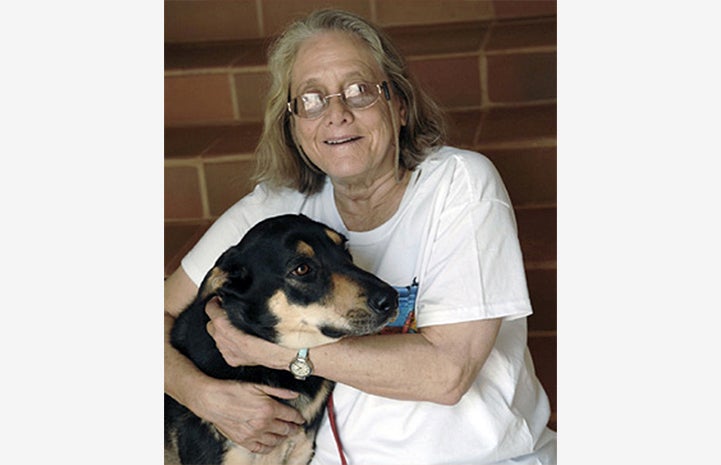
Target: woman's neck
(367, 206)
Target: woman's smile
(342, 140)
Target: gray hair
(280, 162)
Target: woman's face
(350, 146)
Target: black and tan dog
(290, 281)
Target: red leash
(334, 429)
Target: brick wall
(490, 64)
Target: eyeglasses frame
(382, 90)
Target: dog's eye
(301, 270)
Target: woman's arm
(243, 412)
(438, 364)
(180, 372)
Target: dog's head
(292, 281)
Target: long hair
(280, 161)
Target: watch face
(300, 368)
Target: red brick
(433, 39)
(178, 240)
(236, 139)
(227, 182)
(277, 14)
(191, 141)
(250, 52)
(521, 77)
(210, 20)
(545, 359)
(529, 173)
(250, 91)
(517, 124)
(432, 11)
(510, 35)
(197, 99)
(182, 193)
(453, 82)
(537, 233)
(543, 291)
(524, 8)
(462, 127)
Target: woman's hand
(245, 414)
(239, 348)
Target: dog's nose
(383, 302)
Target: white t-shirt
(453, 241)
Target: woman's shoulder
(453, 157)
(262, 202)
(465, 169)
(268, 199)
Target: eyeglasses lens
(356, 97)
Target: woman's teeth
(340, 141)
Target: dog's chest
(310, 407)
(296, 450)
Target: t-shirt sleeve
(221, 235)
(475, 266)
(232, 225)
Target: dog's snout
(383, 302)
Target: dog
(291, 281)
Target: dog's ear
(237, 282)
(214, 280)
(228, 272)
(234, 294)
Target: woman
(348, 140)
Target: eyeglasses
(358, 96)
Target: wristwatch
(301, 366)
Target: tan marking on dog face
(216, 279)
(299, 326)
(304, 248)
(334, 236)
(346, 295)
